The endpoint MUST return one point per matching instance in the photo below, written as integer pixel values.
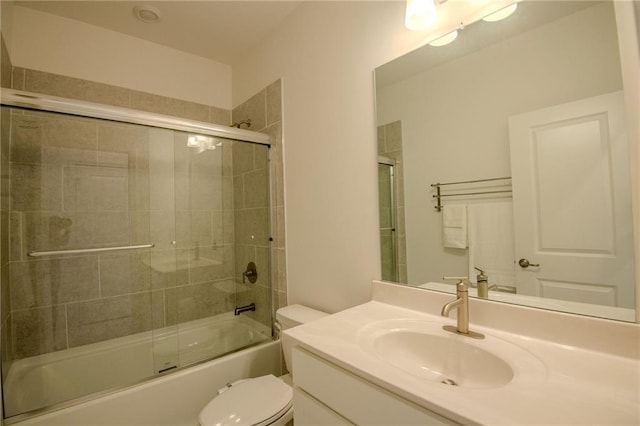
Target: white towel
(491, 242)
(454, 225)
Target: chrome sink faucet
(462, 305)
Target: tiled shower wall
(78, 182)
(264, 109)
(125, 282)
(390, 146)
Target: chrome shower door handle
(524, 263)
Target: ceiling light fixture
(420, 14)
(445, 39)
(501, 14)
(146, 13)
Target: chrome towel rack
(87, 250)
(439, 195)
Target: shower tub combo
(129, 236)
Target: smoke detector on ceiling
(148, 14)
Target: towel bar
(438, 196)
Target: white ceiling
(223, 31)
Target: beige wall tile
(125, 273)
(110, 228)
(252, 226)
(36, 187)
(38, 331)
(238, 192)
(219, 116)
(5, 294)
(15, 236)
(169, 268)
(222, 227)
(94, 189)
(281, 269)
(39, 283)
(5, 64)
(195, 301)
(6, 345)
(274, 102)
(75, 88)
(254, 109)
(261, 296)
(242, 158)
(56, 231)
(131, 143)
(256, 189)
(17, 78)
(276, 152)
(393, 136)
(161, 169)
(169, 106)
(165, 227)
(39, 137)
(103, 319)
(140, 227)
(211, 264)
(380, 140)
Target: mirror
(519, 125)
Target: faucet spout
(462, 305)
(446, 309)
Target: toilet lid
(249, 403)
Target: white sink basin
(423, 349)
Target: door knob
(524, 263)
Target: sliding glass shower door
(125, 253)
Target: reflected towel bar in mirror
(439, 195)
(87, 250)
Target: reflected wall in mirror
(536, 99)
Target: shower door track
(36, 101)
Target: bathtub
(50, 379)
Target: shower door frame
(47, 103)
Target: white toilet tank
(291, 316)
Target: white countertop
(575, 386)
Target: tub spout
(245, 308)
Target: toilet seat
(254, 402)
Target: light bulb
(420, 14)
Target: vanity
(389, 361)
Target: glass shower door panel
(207, 214)
(78, 313)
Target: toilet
(260, 401)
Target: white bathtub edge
(172, 400)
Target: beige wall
(325, 53)
(45, 42)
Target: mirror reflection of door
(572, 206)
(388, 234)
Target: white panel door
(572, 206)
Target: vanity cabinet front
(325, 393)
